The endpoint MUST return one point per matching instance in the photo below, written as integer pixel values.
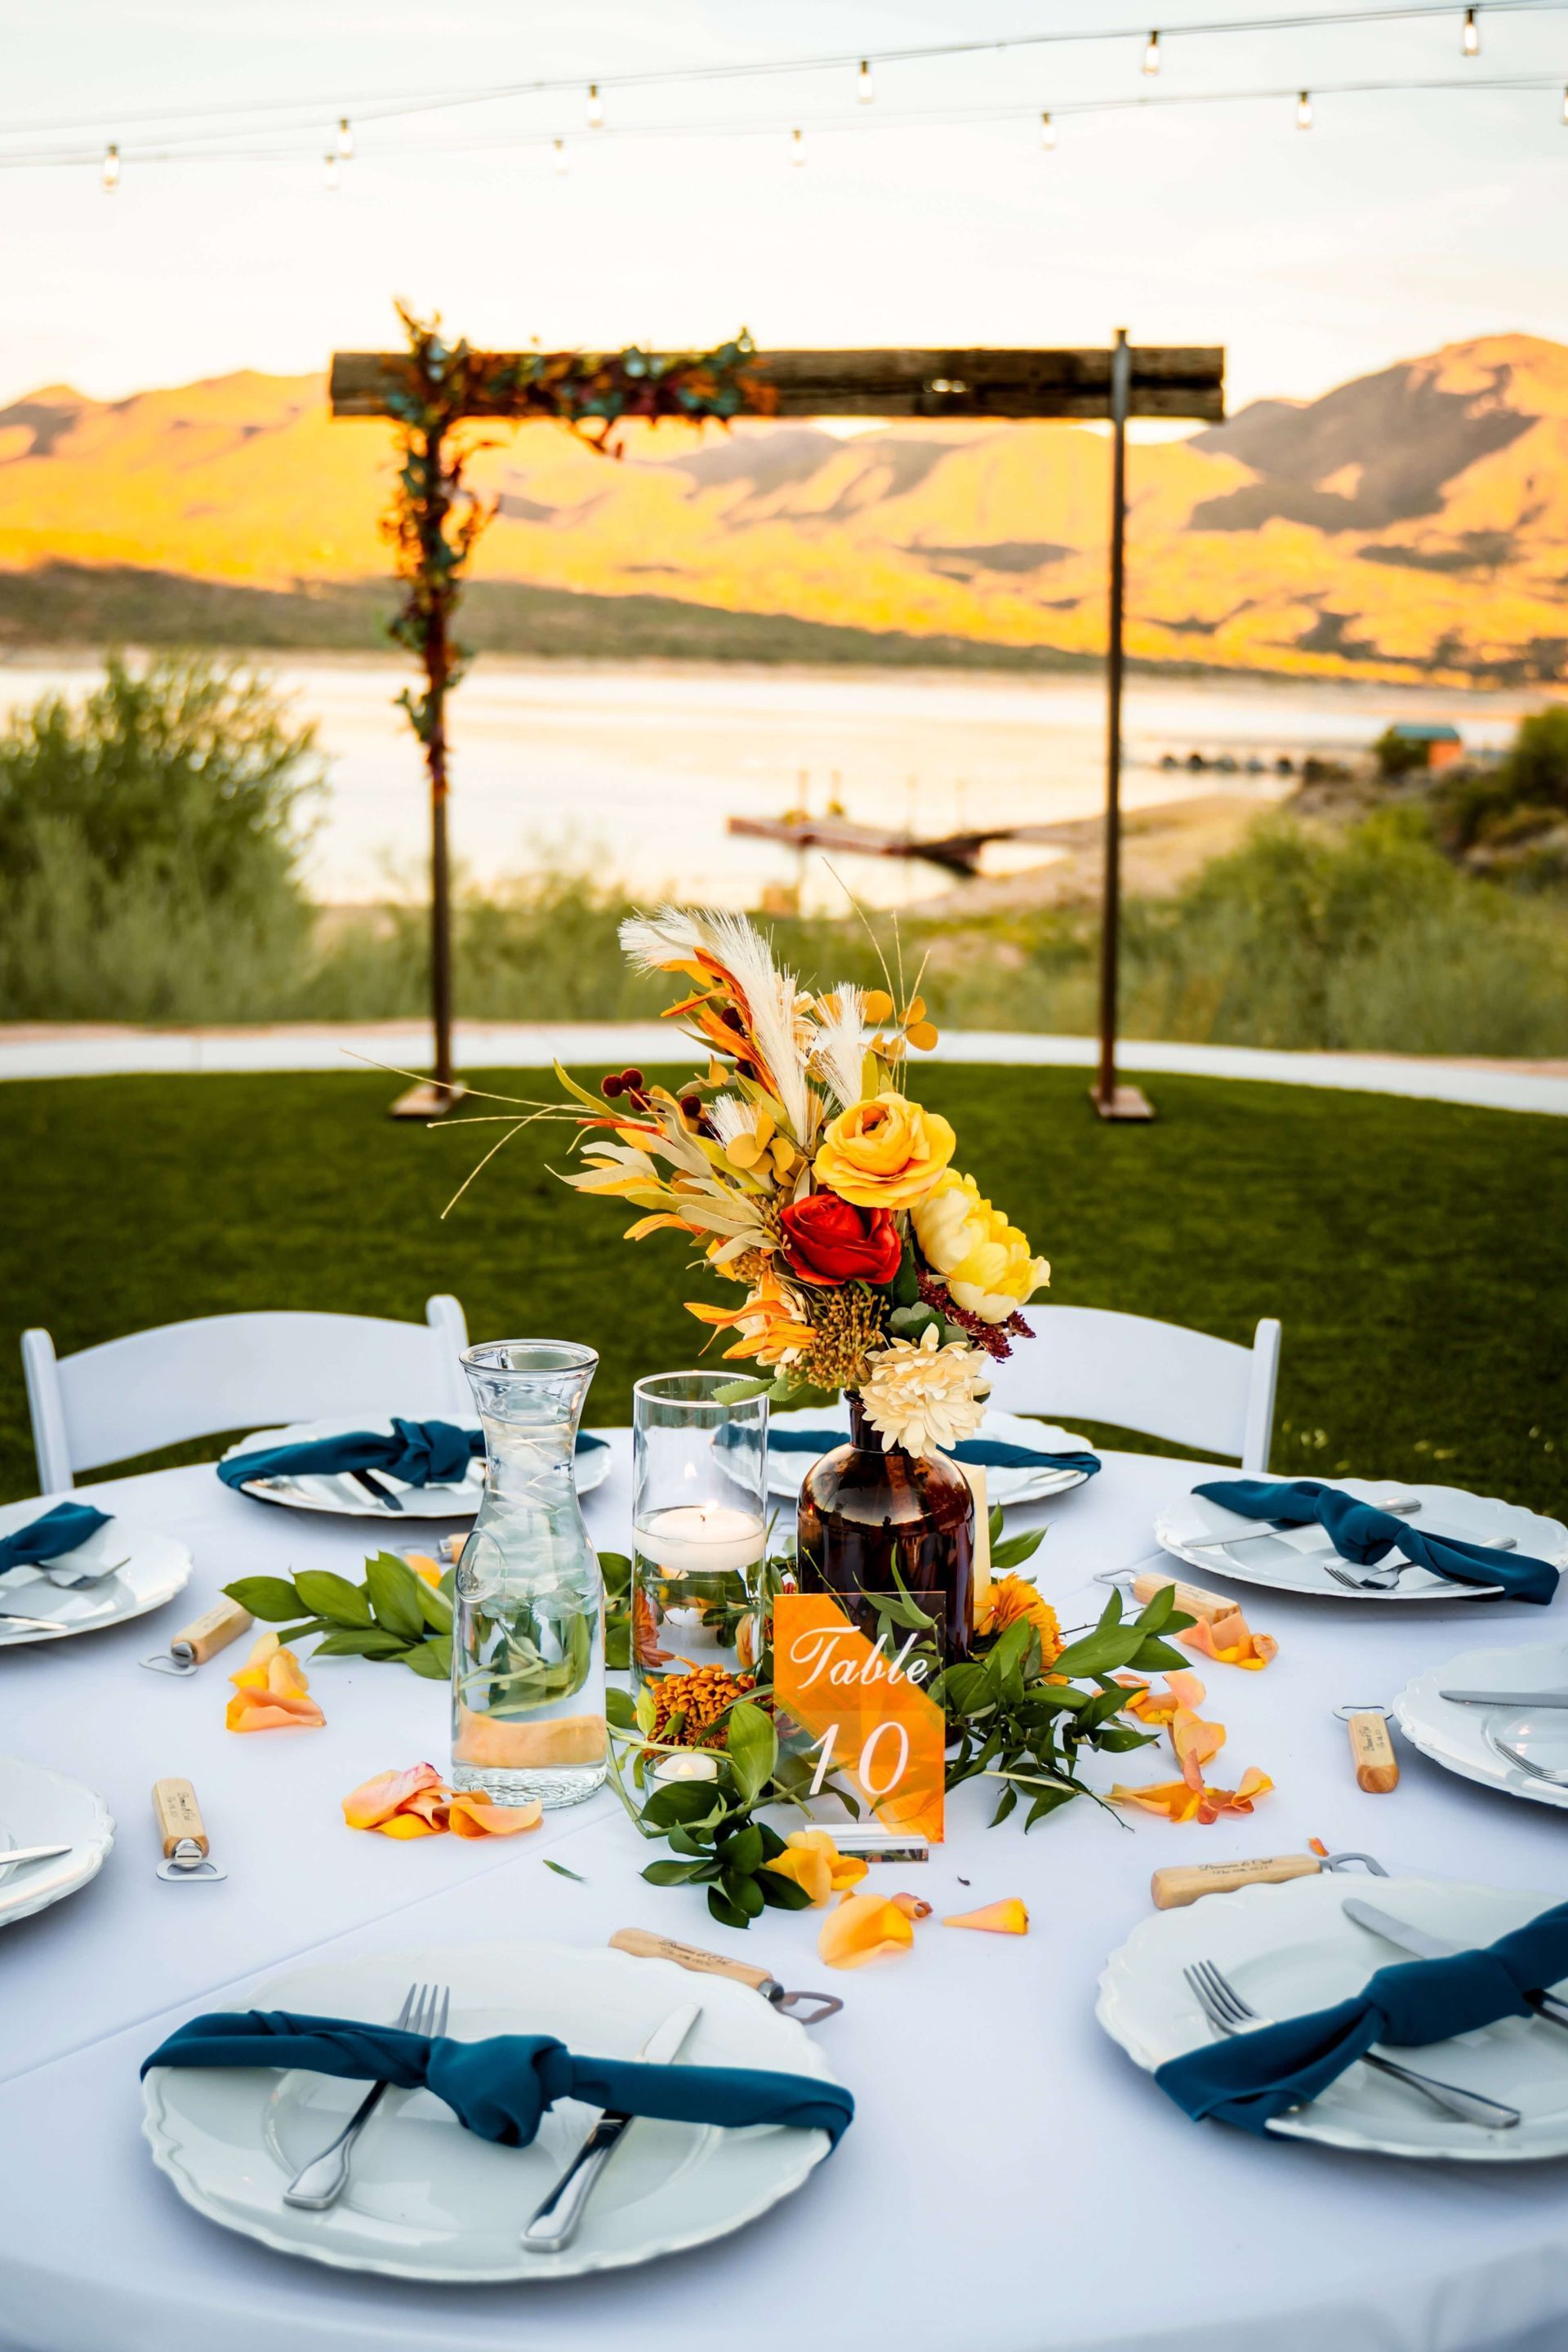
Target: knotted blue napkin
(421, 1453)
(59, 1531)
(987, 1453)
(501, 2087)
(1361, 1532)
(1262, 2071)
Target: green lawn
(1416, 1252)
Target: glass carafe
(527, 1647)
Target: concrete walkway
(83, 1051)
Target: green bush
(150, 840)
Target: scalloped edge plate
(1454, 1736)
(30, 1797)
(1473, 1516)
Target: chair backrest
(182, 1380)
(1156, 1377)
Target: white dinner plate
(1006, 1487)
(150, 1569)
(42, 1808)
(427, 2200)
(458, 1499)
(1293, 1562)
(1289, 1950)
(1461, 1739)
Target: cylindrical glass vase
(699, 1524)
(872, 1517)
(528, 1637)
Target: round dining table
(1013, 2182)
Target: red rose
(829, 1241)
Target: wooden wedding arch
(433, 388)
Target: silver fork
(1386, 1574)
(322, 2181)
(1227, 2012)
(1536, 1771)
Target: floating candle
(702, 1538)
(690, 1764)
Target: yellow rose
(985, 1262)
(885, 1154)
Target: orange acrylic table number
(862, 1706)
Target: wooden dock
(955, 852)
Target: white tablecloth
(1012, 2182)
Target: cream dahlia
(921, 1397)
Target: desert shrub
(149, 844)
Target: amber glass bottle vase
(867, 1509)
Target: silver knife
(369, 1483)
(1513, 1700)
(1427, 1947)
(30, 1853)
(554, 2224)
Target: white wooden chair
(163, 1387)
(1156, 1377)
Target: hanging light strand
(1470, 36)
(1048, 132)
(1304, 111)
(1151, 54)
(865, 89)
(331, 177)
(595, 110)
(109, 176)
(797, 146)
(345, 138)
(560, 159)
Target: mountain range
(1412, 524)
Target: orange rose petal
(410, 1825)
(252, 1675)
(1008, 1917)
(374, 1801)
(1189, 1799)
(864, 1928)
(252, 1710)
(911, 1906)
(427, 1569)
(1231, 1642)
(1194, 1741)
(470, 1817)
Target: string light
(563, 165)
(346, 137)
(1471, 38)
(863, 87)
(1304, 111)
(1151, 54)
(1565, 115)
(596, 108)
(797, 146)
(109, 176)
(331, 175)
(1048, 132)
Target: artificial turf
(1416, 1252)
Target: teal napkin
(57, 1532)
(1261, 2072)
(1361, 1532)
(419, 1451)
(989, 1453)
(501, 2087)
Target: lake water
(635, 770)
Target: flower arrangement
(812, 1182)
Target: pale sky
(1397, 223)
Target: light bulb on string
(596, 108)
(1470, 37)
(346, 137)
(1048, 132)
(1564, 116)
(863, 89)
(109, 178)
(1304, 111)
(1151, 54)
(797, 147)
(560, 159)
(331, 175)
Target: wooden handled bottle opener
(643, 1946)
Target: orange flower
(1231, 1642)
(1012, 1597)
(771, 1321)
(864, 1928)
(815, 1863)
(271, 1693)
(1150, 1706)
(1008, 1917)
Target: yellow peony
(885, 1154)
(985, 1262)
